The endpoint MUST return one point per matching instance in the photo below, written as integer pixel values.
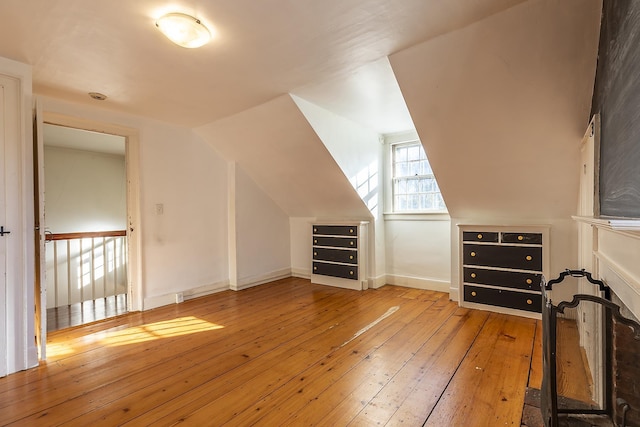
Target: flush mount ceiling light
(184, 30)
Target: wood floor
(287, 353)
(86, 312)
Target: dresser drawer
(505, 279)
(337, 242)
(336, 270)
(335, 230)
(336, 255)
(522, 258)
(480, 236)
(502, 298)
(528, 238)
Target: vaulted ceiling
(498, 90)
(325, 51)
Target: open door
(40, 293)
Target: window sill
(416, 216)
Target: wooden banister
(85, 235)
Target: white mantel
(616, 256)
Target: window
(414, 186)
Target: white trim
(377, 282)
(134, 225)
(303, 273)
(419, 283)
(417, 216)
(614, 224)
(167, 299)
(261, 279)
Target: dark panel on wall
(617, 98)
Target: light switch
(159, 208)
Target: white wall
(185, 248)
(262, 235)
(418, 253)
(358, 151)
(300, 234)
(501, 107)
(85, 191)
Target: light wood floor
(285, 353)
(86, 312)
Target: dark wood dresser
(501, 268)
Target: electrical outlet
(159, 208)
(179, 298)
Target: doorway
(85, 226)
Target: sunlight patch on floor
(165, 329)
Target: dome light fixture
(184, 30)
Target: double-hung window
(414, 186)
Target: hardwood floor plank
(535, 375)
(414, 391)
(183, 358)
(488, 388)
(312, 394)
(276, 369)
(283, 353)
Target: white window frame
(391, 212)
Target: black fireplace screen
(569, 396)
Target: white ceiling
(79, 139)
(330, 52)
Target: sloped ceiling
(501, 107)
(262, 49)
(277, 147)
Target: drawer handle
(473, 294)
(473, 254)
(315, 230)
(473, 275)
(529, 258)
(351, 230)
(351, 273)
(350, 256)
(529, 302)
(315, 254)
(315, 268)
(520, 237)
(529, 281)
(479, 236)
(315, 241)
(351, 243)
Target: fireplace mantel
(615, 249)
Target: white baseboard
(419, 283)
(377, 282)
(454, 294)
(160, 300)
(261, 279)
(301, 273)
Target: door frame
(132, 158)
